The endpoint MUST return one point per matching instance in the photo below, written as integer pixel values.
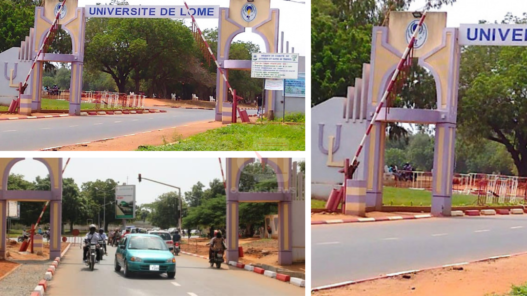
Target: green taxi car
(144, 253)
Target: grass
(242, 137)
(515, 291)
(289, 117)
(48, 104)
(410, 197)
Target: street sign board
(296, 87)
(274, 65)
(125, 202)
(13, 209)
(152, 11)
(274, 84)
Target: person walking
(269, 231)
(259, 102)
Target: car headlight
(173, 260)
(136, 259)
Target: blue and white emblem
(249, 12)
(421, 36)
(63, 12)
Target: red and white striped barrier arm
(210, 50)
(222, 175)
(390, 86)
(53, 28)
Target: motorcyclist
(116, 237)
(91, 237)
(176, 237)
(216, 244)
(103, 237)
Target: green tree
(421, 152)
(95, 194)
(166, 211)
(395, 156)
(16, 18)
(212, 212)
(195, 196)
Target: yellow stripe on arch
(234, 215)
(55, 225)
(286, 226)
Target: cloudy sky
(181, 172)
(294, 18)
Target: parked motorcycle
(217, 258)
(177, 248)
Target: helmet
(93, 227)
(177, 231)
(101, 229)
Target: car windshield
(163, 235)
(146, 243)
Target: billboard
(125, 202)
(13, 209)
(296, 87)
(274, 65)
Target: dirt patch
(476, 279)
(337, 216)
(149, 102)
(13, 247)
(156, 138)
(7, 266)
(252, 251)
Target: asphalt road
(349, 252)
(194, 277)
(35, 134)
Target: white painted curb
(52, 267)
(48, 276)
(517, 211)
(270, 274)
(84, 113)
(40, 290)
(298, 282)
(233, 263)
(133, 112)
(146, 111)
(488, 212)
(457, 213)
(118, 112)
(101, 113)
(249, 267)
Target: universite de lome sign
(148, 11)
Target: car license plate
(154, 267)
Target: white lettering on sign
(493, 34)
(141, 11)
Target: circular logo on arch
(420, 40)
(249, 12)
(63, 12)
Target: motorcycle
(217, 258)
(177, 248)
(22, 238)
(115, 241)
(102, 244)
(92, 256)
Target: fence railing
(103, 99)
(490, 188)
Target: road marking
(176, 284)
(117, 121)
(192, 294)
(97, 123)
(391, 238)
(135, 120)
(402, 272)
(439, 234)
(484, 230)
(46, 128)
(329, 243)
(516, 227)
(9, 131)
(73, 125)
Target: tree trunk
(71, 226)
(137, 82)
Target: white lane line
(329, 243)
(46, 128)
(516, 227)
(9, 131)
(484, 230)
(439, 234)
(135, 120)
(192, 294)
(176, 284)
(73, 125)
(391, 238)
(117, 121)
(97, 123)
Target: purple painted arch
(14, 161)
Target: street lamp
(179, 189)
(104, 210)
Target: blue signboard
(493, 35)
(296, 87)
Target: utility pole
(180, 225)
